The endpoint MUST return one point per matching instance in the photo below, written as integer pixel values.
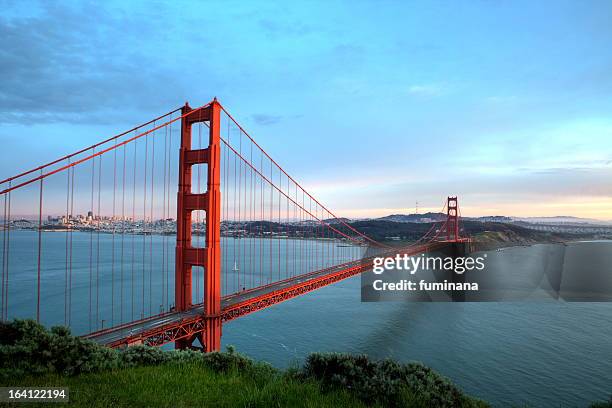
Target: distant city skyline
(371, 106)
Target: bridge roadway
(170, 326)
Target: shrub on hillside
(233, 361)
(183, 356)
(385, 382)
(142, 356)
(26, 347)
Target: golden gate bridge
(246, 236)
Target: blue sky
(372, 105)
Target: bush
(26, 347)
(386, 382)
(183, 356)
(143, 356)
(230, 361)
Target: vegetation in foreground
(189, 384)
(97, 376)
(30, 355)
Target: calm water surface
(545, 354)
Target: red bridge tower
(452, 219)
(208, 257)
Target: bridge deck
(168, 327)
(140, 328)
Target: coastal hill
(487, 232)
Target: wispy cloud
(59, 66)
(279, 28)
(384, 97)
(266, 120)
(427, 89)
(502, 99)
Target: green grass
(140, 376)
(189, 385)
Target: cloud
(281, 28)
(69, 64)
(426, 90)
(266, 120)
(502, 99)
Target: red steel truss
(187, 329)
